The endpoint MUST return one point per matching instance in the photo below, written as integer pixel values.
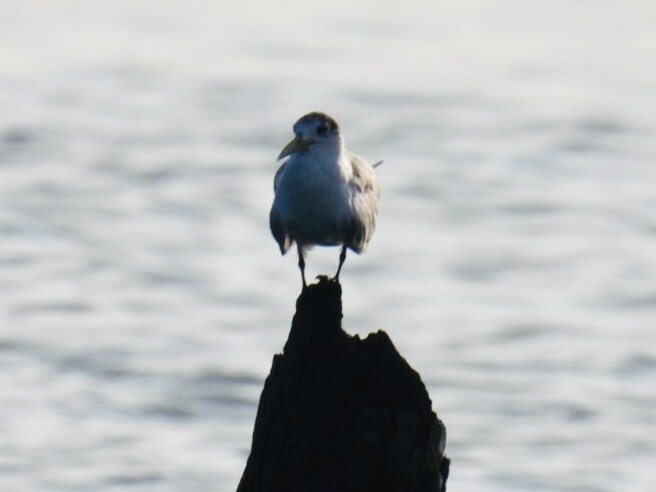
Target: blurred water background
(514, 265)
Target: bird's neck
(332, 149)
(330, 155)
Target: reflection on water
(143, 296)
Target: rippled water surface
(514, 265)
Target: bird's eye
(323, 128)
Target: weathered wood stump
(341, 414)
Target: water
(142, 296)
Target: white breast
(312, 197)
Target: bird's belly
(314, 215)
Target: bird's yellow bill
(294, 146)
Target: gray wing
(279, 234)
(278, 231)
(276, 178)
(365, 194)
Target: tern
(324, 194)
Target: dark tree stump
(341, 414)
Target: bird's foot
(326, 278)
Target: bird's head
(312, 129)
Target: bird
(324, 194)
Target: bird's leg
(301, 263)
(342, 257)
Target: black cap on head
(323, 118)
